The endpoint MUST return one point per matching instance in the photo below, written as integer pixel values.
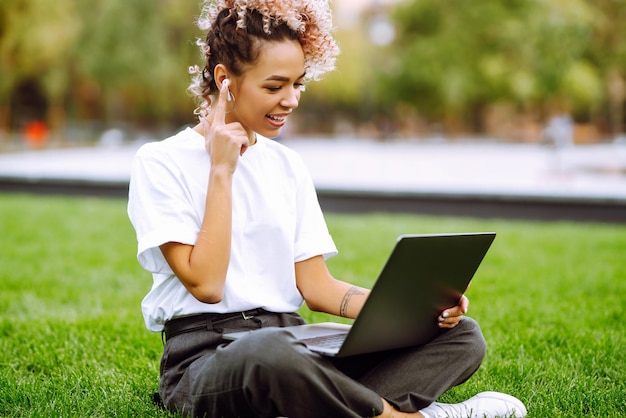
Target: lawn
(551, 299)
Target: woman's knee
(473, 338)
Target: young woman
(229, 225)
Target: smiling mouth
(278, 119)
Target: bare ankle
(391, 412)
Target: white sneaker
(483, 405)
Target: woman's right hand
(202, 267)
(225, 142)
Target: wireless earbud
(225, 85)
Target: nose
(291, 99)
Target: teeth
(276, 118)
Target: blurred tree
(7, 76)
(608, 53)
(342, 93)
(35, 36)
(453, 57)
(349, 96)
(121, 61)
(107, 59)
(60, 26)
(132, 51)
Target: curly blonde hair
(235, 26)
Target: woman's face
(267, 92)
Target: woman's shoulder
(184, 141)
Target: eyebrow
(282, 78)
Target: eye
(300, 86)
(273, 89)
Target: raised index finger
(218, 116)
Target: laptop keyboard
(333, 340)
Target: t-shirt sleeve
(312, 236)
(159, 209)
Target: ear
(220, 74)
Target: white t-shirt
(277, 221)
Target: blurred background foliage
(408, 68)
(469, 63)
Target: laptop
(424, 275)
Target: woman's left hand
(451, 317)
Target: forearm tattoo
(343, 309)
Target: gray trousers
(269, 374)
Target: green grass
(550, 298)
